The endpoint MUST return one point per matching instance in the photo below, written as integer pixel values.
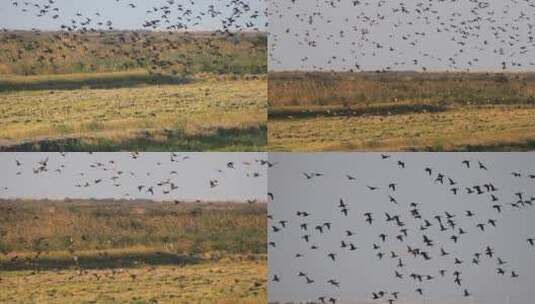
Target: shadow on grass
(127, 260)
(528, 145)
(231, 139)
(381, 110)
(91, 82)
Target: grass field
(225, 281)
(109, 112)
(132, 91)
(46, 53)
(132, 252)
(401, 111)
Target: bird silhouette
(418, 240)
(364, 36)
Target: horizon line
(497, 71)
(183, 201)
(6, 29)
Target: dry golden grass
(225, 281)
(401, 111)
(132, 90)
(466, 128)
(188, 228)
(353, 89)
(88, 251)
(117, 114)
(30, 53)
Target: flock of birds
(120, 173)
(329, 34)
(113, 173)
(227, 20)
(232, 15)
(404, 234)
(381, 35)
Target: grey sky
(192, 176)
(488, 33)
(360, 272)
(119, 12)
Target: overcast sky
(361, 272)
(339, 34)
(192, 176)
(120, 13)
